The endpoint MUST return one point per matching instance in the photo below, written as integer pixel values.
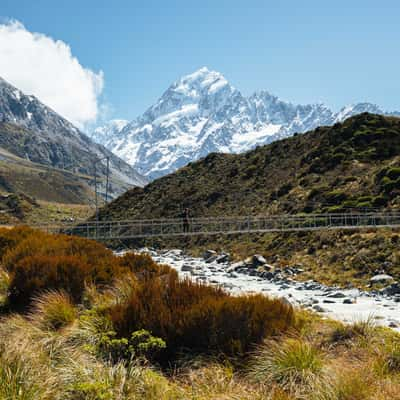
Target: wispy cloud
(40, 65)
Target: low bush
(141, 345)
(37, 262)
(35, 274)
(9, 238)
(199, 318)
(142, 265)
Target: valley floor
(347, 305)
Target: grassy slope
(354, 164)
(32, 193)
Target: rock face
(202, 113)
(33, 131)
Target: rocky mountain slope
(202, 113)
(31, 130)
(351, 164)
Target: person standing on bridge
(186, 220)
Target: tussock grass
(53, 310)
(356, 383)
(361, 329)
(295, 365)
(57, 351)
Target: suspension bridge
(151, 228)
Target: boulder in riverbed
(349, 301)
(223, 258)
(381, 278)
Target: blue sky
(336, 52)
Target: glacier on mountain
(202, 113)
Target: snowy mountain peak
(200, 82)
(105, 132)
(202, 113)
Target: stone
(268, 275)
(187, 268)
(269, 267)
(349, 301)
(255, 261)
(392, 289)
(235, 266)
(318, 308)
(211, 259)
(259, 260)
(223, 258)
(381, 278)
(337, 295)
(328, 301)
(209, 253)
(284, 286)
(396, 299)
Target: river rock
(318, 308)
(236, 266)
(187, 268)
(222, 258)
(381, 278)
(209, 253)
(337, 295)
(392, 289)
(255, 261)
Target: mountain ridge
(202, 113)
(354, 164)
(33, 131)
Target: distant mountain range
(202, 113)
(350, 165)
(32, 131)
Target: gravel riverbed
(347, 305)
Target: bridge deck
(135, 229)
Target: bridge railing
(131, 229)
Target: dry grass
(52, 352)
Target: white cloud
(39, 65)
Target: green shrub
(393, 173)
(336, 197)
(141, 344)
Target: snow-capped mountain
(55, 142)
(102, 133)
(202, 113)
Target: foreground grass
(56, 361)
(91, 341)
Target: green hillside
(355, 164)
